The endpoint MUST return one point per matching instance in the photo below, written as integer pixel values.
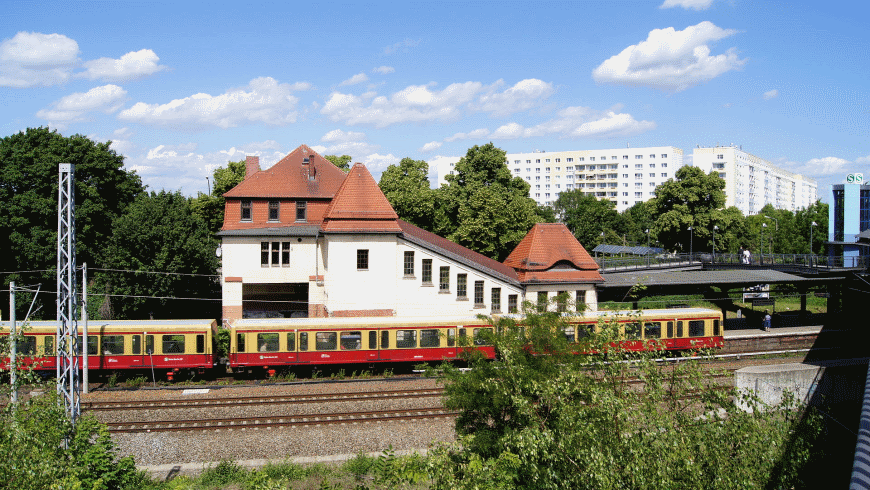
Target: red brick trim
(232, 313)
(232, 279)
(315, 278)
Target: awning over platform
(734, 278)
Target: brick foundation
(361, 313)
(232, 313)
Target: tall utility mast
(67, 328)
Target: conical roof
(551, 253)
(360, 206)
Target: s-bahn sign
(855, 179)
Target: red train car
(124, 344)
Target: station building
(304, 239)
(849, 221)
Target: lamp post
(647, 247)
(761, 249)
(812, 225)
(776, 230)
(691, 239)
(208, 184)
(715, 227)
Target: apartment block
(752, 182)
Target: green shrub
(224, 473)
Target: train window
(200, 344)
(568, 332)
(451, 337)
(373, 340)
(351, 340)
(716, 330)
(670, 329)
(49, 345)
(385, 339)
(696, 328)
(325, 340)
(291, 341)
(267, 342)
(173, 344)
(303, 341)
(112, 345)
(240, 342)
(93, 345)
(26, 345)
(406, 339)
(679, 329)
(480, 336)
(652, 330)
(583, 331)
(136, 344)
(632, 331)
(462, 333)
(149, 344)
(430, 338)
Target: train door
(149, 355)
(137, 353)
(291, 355)
(372, 352)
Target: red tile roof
(292, 178)
(359, 205)
(551, 253)
(457, 252)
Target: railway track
(279, 420)
(259, 400)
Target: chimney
(312, 172)
(305, 167)
(252, 166)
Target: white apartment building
(752, 182)
(626, 176)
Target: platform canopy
(619, 249)
(732, 278)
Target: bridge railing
(662, 261)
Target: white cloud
(522, 96)
(476, 134)
(431, 146)
(73, 107)
(175, 167)
(402, 45)
(771, 94)
(264, 100)
(824, 166)
(578, 122)
(131, 66)
(671, 60)
(383, 70)
(416, 103)
(687, 4)
(863, 159)
(337, 135)
(32, 58)
(358, 78)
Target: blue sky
(183, 87)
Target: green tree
(692, 199)
(28, 203)
(159, 234)
(569, 420)
(210, 207)
(482, 207)
(637, 220)
(406, 186)
(342, 162)
(804, 218)
(588, 217)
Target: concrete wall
(830, 382)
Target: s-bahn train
(265, 345)
(172, 345)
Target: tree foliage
(588, 217)
(342, 162)
(406, 186)
(575, 420)
(482, 207)
(692, 199)
(28, 201)
(159, 234)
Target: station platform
(774, 332)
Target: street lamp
(715, 227)
(691, 239)
(761, 249)
(812, 225)
(647, 239)
(776, 229)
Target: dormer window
(246, 210)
